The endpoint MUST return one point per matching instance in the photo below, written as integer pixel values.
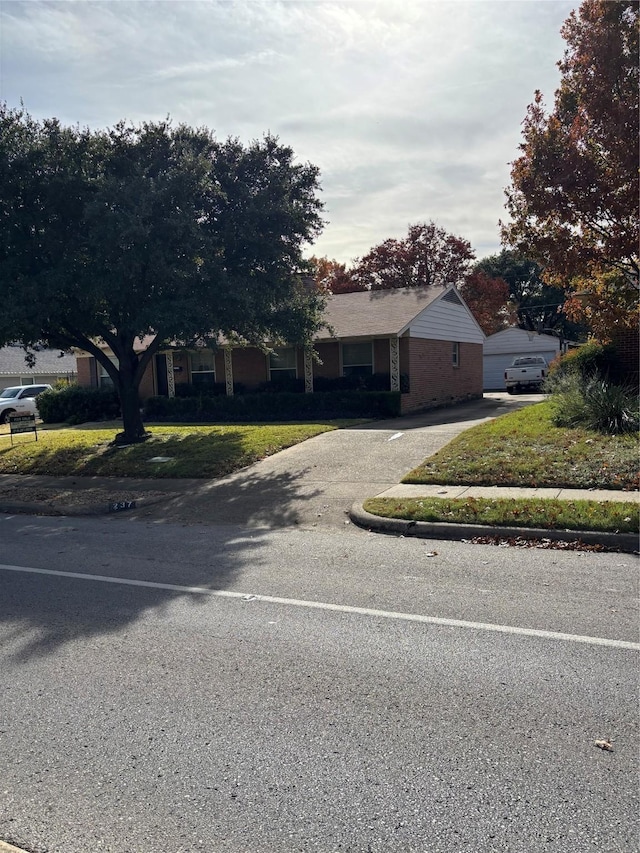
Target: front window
(282, 364)
(357, 359)
(8, 393)
(203, 369)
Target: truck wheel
(509, 390)
(4, 417)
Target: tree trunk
(134, 430)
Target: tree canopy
(331, 276)
(489, 301)
(155, 230)
(573, 199)
(538, 306)
(427, 256)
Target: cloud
(412, 111)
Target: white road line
(338, 608)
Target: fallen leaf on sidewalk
(431, 554)
(604, 744)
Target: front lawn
(544, 514)
(526, 449)
(190, 451)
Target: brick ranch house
(426, 336)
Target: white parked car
(20, 400)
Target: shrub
(213, 389)
(274, 407)
(594, 403)
(589, 360)
(282, 384)
(371, 382)
(75, 405)
(611, 409)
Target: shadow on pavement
(251, 497)
(41, 613)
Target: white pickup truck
(527, 372)
(20, 400)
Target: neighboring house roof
(516, 340)
(48, 362)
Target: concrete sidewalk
(435, 491)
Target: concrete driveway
(314, 484)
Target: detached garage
(500, 350)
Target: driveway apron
(314, 484)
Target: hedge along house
(423, 342)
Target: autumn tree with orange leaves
(489, 301)
(427, 256)
(573, 199)
(333, 277)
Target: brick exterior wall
(627, 344)
(86, 368)
(381, 357)
(249, 367)
(147, 383)
(434, 380)
(218, 361)
(181, 371)
(330, 356)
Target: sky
(411, 109)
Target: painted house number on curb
(119, 506)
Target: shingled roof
(48, 362)
(375, 312)
(364, 314)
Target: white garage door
(495, 366)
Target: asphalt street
(180, 687)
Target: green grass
(195, 451)
(525, 449)
(609, 516)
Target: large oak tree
(573, 200)
(113, 235)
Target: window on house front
(104, 380)
(357, 359)
(455, 354)
(203, 369)
(283, 364)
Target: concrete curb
(626, 542)
(101, 508)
